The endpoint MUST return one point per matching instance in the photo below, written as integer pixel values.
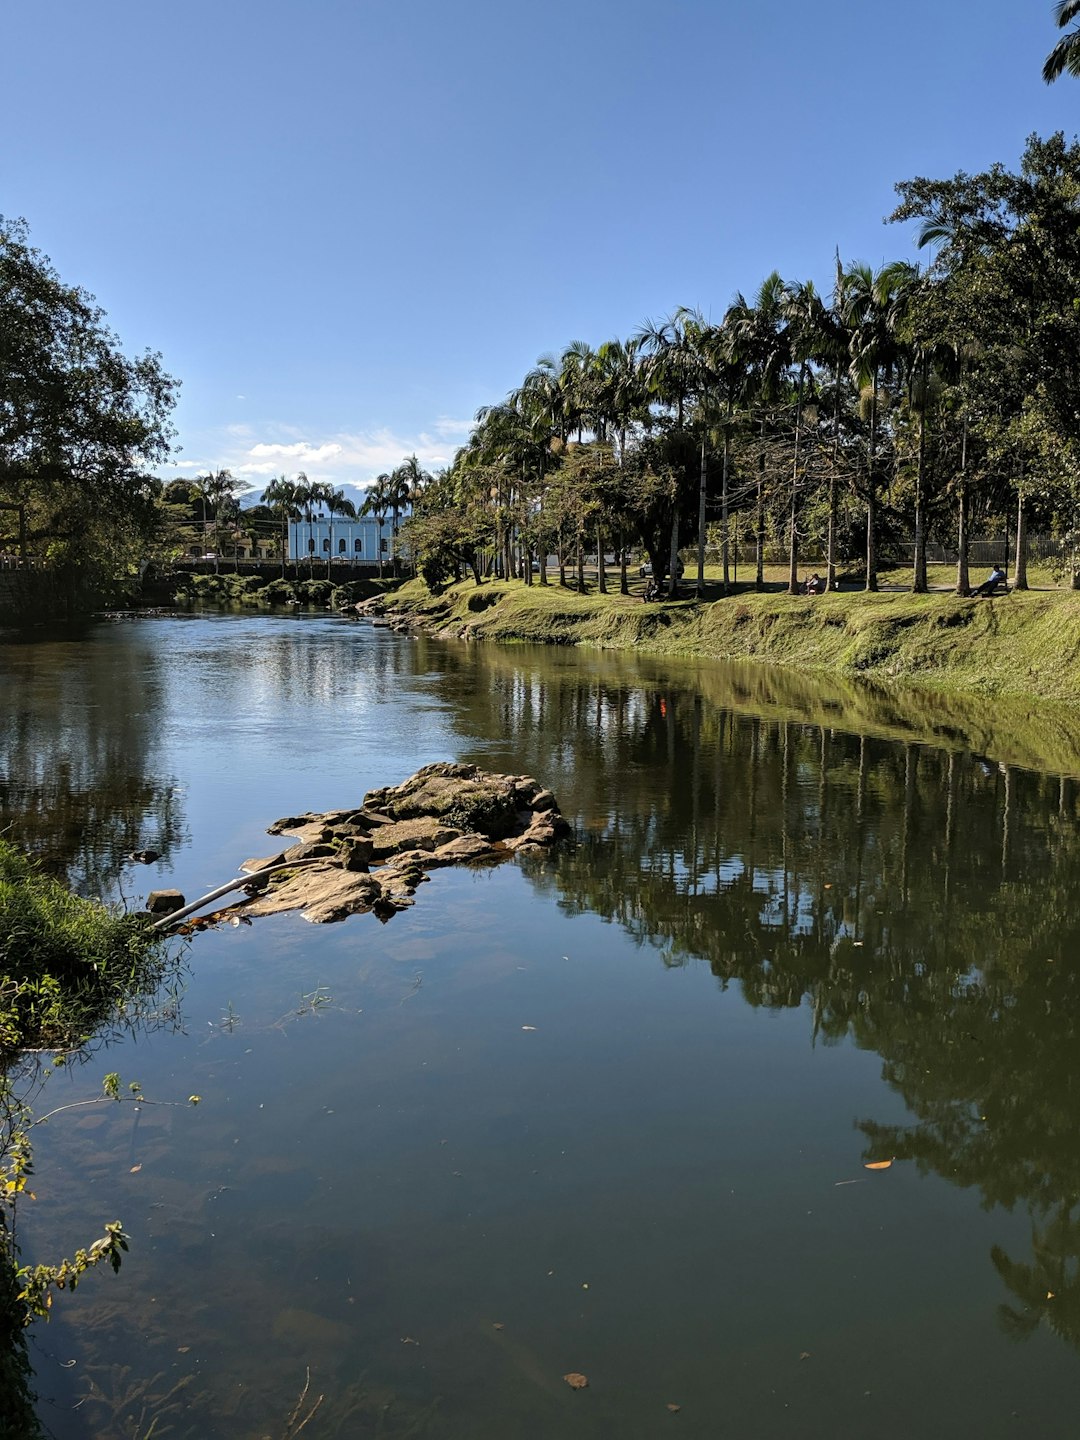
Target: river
(607, 1112)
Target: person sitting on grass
(652, 590)
(990, 584)
(815, 585)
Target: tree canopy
(82, 425)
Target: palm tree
(283, 498)
(806, 319)
(871, 305)
(759, 343)
(377, 503)
(214, 488)
(337, 504)
(1066, 53)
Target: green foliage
(65, 961)
(80, 423)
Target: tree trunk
(1020, 576)
(724, 540)
(759, 577)
(918, 578)
(624, 583)
(871, 493)
(673, 573)
(580, 566)
(793, 533)
(601, 574)
(701, 524)
(963, 579)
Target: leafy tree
(81, 424)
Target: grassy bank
(1022, 645)
(66, 964)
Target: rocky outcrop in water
(374, 857)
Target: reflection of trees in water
(923, 901)
(77, 782)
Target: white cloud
(252, 452)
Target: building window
(311, 547)
(358, 547)
(384, 546)
(326, 547)
(341, 547)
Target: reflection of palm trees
(1049, 1288)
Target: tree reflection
(78, 786)
(921, 900)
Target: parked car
(646, 570)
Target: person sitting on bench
(989, 585)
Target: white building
(359, 542)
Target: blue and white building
(358, 542)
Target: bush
(65, 962)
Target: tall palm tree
(283, 497)
(214, 489)
(1066, 53)
(377, 503)
(871, 306)
(806, 321)
(760, 344)
(337, 504)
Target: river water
(607, 1112)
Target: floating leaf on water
(497, 1325)
(135, 1169)
(673, 1407)
(804, 1354)
(576, 1380)
(877, 1165)
(182, 1349)
(528, 1027)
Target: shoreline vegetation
(1020, 646)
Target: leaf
(673, 1407)
(528, 1027)
(135, 1169)
(877, 1165)
(576, 1380)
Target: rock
(445, 814)
(249, 866)
(461, 795)
(422, 833)
(321, 893)
(164, 902)
(465, 847)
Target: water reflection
(78, 746)
(897, 875)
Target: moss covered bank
(1021, 644)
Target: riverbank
(1025, 645)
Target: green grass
(1024, 645)
(65, 963)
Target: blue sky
(347, 225)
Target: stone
(249, 866)
(421, 833)
(373, 859)
(164, 902)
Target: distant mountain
(356, 493)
